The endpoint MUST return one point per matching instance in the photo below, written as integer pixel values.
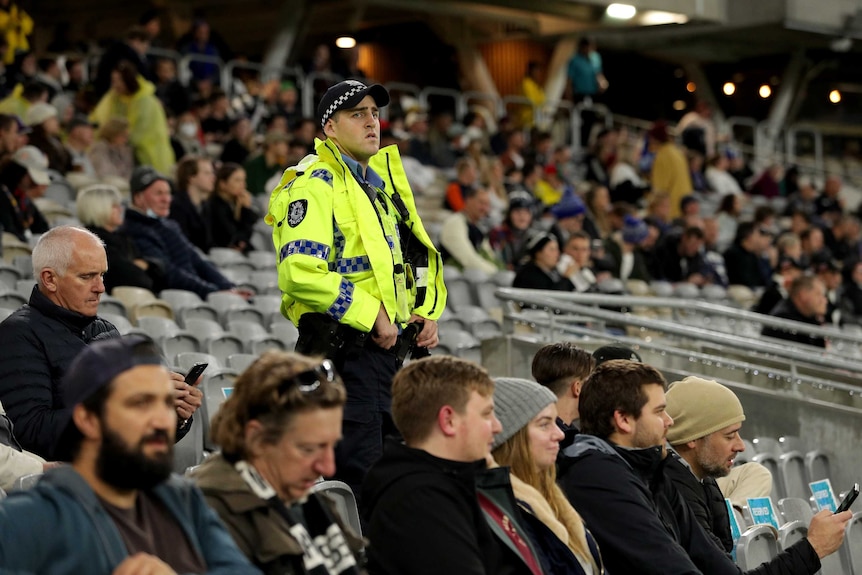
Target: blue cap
(569, 207)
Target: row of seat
(792, 465)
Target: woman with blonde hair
(528, 445)
(111, 154)
(277, 432)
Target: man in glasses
(359, 274)
(115, 508)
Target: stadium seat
(187, 360)
(792, 532)
(793, 474)
(241, 361)
(255, 336)
(345, 502)
(223, 257)
(756, 546)
(713, 293)
(121, 322)
(189, 451)
(24, 265)
(25, 287)
(286, 332)
(503, 278)
(26, 481)
(450, 273)
(638, 288)
(686, 290)
(742, 295)
(661, 288)
(11, 299)
(110, 304)
(154, 308)
(263, 260)
(265, 282)
(5, 312)
(9, 276)
(611, 286)
(248, 314)
(796, 509)
(132, 296)
(789, 443)
(179, 298)
(215, 387)
(199, 311)
(817, 465)
(853, 542)
(460, 293)
(770, 462)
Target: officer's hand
(428, 335)
(143, 564)
(826, 531)
(384, 333)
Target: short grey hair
(55, 249)
(95, 203)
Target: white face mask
(188, 129)
(152, 214)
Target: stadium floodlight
(621, 11)
(729, 88)
(660, 17)
(835, 96)
(765, 91)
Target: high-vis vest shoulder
(337, 252)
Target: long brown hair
(515, 453)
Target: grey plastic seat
(5, 312)
(770, 462)
(286, 332)
(853, 542)
(241, 361)
(757, 545)
(789, 443)
(24, 265)
(793, 474)
(110, 304)
(121, 322)
(255, 336)
(223, 346)
(713, 292)
(204, 329)
(223, 257)
(795, 509)
(503, 278)
(189, 451)
(450, 273)
(345, 501)
(817, 465)
(26, 481)
(11, 299)
(460, 293)
(187, 360)
(9, 275)
(265, 281)
(180, 298)
(263, 260)
(792, 532)
(686, 290)
(248, 314)
(661, 288)
(216, 387)
(25, 287)
(198, 311)
(487, 297)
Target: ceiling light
(345, 42)
(729, 88)
(679, 105)
(834, 96)
(691, 87)
(659, 17)
(765, 91)
(621, 11)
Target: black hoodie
(424, 516)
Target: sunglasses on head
(309, 380)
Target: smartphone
(195, 372)
(849, 498)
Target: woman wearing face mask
(528, 445)
(187, 136)
(231, 217)
(132, 97)
(277, 432)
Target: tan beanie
(699, 407)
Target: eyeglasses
(309, 380)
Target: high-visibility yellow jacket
(16, 25)
(333, 254)
(15, 103)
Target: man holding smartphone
(705, 439)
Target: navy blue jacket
(164, 241)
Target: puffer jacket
(39, 342)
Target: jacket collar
(72, 319)
(645, 460)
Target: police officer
(357, 270)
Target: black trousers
(367, 374)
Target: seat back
(771, 463)
(286, 332)
(767, 445)
(121, 322)
(817, 465)
(345, 501)
(757, 545)
(216, 386)
(110, 304)
(26, 481)
(189, 451)
(791, 533)
(795, 509)
(187, 360)
(793, 474)
(853, 542)
(240, 361)
(460, 293)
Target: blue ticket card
(824, 497)
(735, 531)
(226, 391)
(762, 511)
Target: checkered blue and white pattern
(338, 240)
(342, 303)
(324, 175)
(391, 242)
(304, 247)
(339, 101)
(350, 265)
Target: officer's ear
(328, 128)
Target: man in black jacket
(745, 262)
(806, 302)
(431, 504)
(615, 478)
(40, 340)
(705, 437)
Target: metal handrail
(262, 69)
(308, 90)
(628, 301)
(787, 350)
(185, 72)
(457, 97)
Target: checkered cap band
(339, 101)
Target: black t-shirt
(150, 528)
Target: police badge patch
(296, 212)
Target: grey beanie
(516, 402)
